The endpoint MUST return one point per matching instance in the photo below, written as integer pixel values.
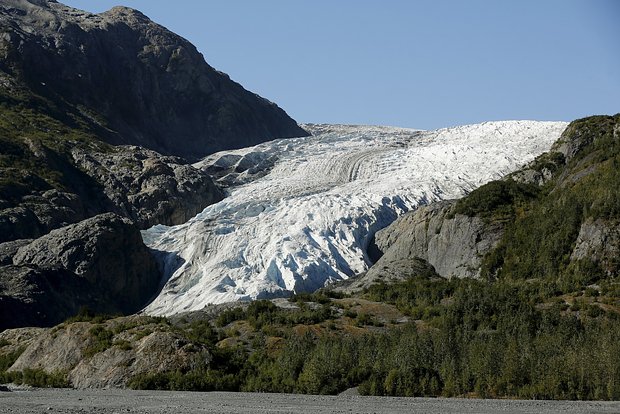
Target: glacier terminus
(300, 212)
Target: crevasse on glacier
(300, 212)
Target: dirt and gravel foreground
(160, 402)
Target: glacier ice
(300, 212)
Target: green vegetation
(497, 200)
(489, 339)
(29, 124)
(538, 242)
(36, 378)
(6, 360)
(32, 377)
(85, 314)
(539, 325)
(100, 340)
(262, 312)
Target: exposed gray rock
(131, 181)
(580, 134)
(147, 187)
(532, 176)
(157, 352)
(599, 241)
(387, 271)
(146, 85)
(19, 338)
(137, 345)
(56, 350)
(106, 250)
(9, 249)
(37, 214)
(100, 263)
(41, 297)
(453, 246)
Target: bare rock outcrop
(71, 81)
(100, 263)
(389, 271)
(147, 187)
(109, 354)
(599, 241)
(452, 244)
(145, 85)
(131, 181)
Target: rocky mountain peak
(136, 81)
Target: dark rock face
(131, 181)
(147, 187)
(71, 83)
(100, 263)
(143, 84)
(39, 213)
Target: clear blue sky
(421, 64)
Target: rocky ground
(155, 402)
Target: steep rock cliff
(100, 263)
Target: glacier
(300, 212)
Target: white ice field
(300, 212)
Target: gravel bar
(160, 402)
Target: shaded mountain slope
(100, 264)
(141, 83)
(74, 86)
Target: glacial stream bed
(160, 402)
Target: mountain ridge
(147, 86)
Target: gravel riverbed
(160, 402)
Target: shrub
(101, 339)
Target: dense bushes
(538, 241)
(497, 200)
(36, 378)
(490, 339)
(260, 313)
(32, 377)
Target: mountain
(301, 212)
(557, 218)
(98, 115)
(73, 83)
(133, 80)
(99, 264)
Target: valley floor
(160, 402)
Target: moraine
(300, 212)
